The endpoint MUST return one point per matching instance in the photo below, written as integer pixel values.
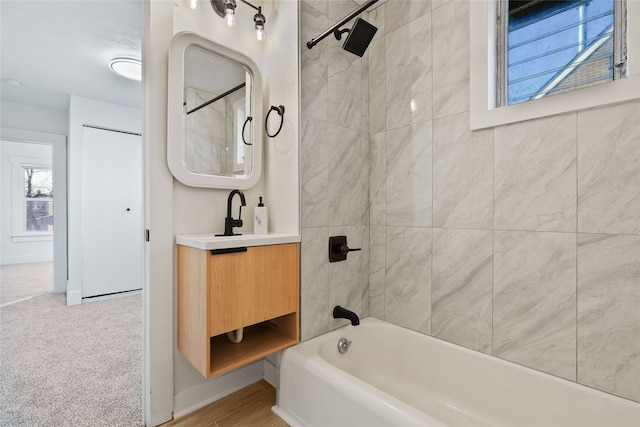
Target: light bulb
(193, 4)
(230, 17)
(259, 20)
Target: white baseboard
(25, 259)
(74, 297)
(215, 389)
(271, 373)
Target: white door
(111, 212)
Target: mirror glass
(215, 111)
(217, 145)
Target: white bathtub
(392, 376)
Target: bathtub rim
(369, 321)
(309, 352)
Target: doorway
(34, 227)
(92, 352)
(27, 220)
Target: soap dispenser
(260, 219)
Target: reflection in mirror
(214, 132)
(215, 111)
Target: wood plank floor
(249, 407)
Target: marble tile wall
(335, 160)
(521, 241)
(208, 124)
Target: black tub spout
(343, 313)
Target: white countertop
(211, 241)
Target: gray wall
(521, 241)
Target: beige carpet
(71, 366)
(20, 281)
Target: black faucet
(229, 222)
(343, 313)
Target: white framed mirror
(214, 131)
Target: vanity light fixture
(130, 68)
(227, 8)
(259, 20)
(230, 12)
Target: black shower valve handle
(344, 249)
(338, 248)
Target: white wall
(83, 111)
(173, 208)
(27, 117)
(16, 252)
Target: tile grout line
(493, 236)
(432, 174)
(577, 236)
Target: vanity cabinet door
(276, 278)
(249, 287)
(231, 291)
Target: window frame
(26, 199)
(484, 65)
(18, 211)
(238, 107)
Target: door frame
(89, 112)
(59, 166)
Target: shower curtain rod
(211, 101)
(317, 40)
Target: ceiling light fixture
(130, 68)
(227, 8)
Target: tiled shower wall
(334, 171)
(521, 241)
(207, 133)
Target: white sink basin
(211, 241)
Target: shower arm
(211, 101)
(322, 36)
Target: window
(537, 58)
(38, 199)
(555, 46)
(32, 199)
(240, 118)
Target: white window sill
(596, 96)
(35, 237)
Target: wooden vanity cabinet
(255, 288)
